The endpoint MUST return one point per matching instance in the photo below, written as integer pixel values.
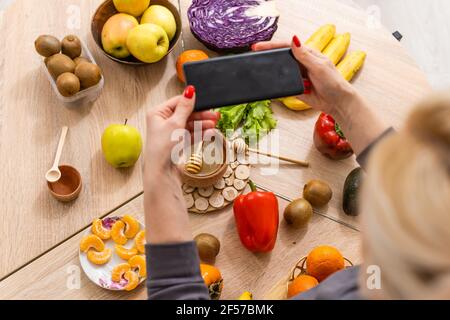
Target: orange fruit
(189, 56)
(117, 232)
(323, 261)
(132, 226)
(92, 241)
(213, 280)
(100, 231)
(133, 280)
(119, 270)
(140, 241)
(101, 257)
(138, 262)
(301, 284)
(125, 253)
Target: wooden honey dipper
(240, 147)
(195, 162)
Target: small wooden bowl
(107, 10)
(67, 188)
(204, 181)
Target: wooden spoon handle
(299, 162)
(62, 140)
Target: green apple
(115, 33)
(133, 7)
(148, 42)
(162, 17)
(121, 145)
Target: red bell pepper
(330, 140)
(257, 218)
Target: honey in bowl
(212, 155)
(68, 187)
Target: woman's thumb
(186, 104)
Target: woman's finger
(205, 115)
(203, 125)
(185, 106)
(268, 45)
(303, 54)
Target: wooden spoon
(54, 174)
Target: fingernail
(189, 92)
(219, 115)
(307, 91)
(253, 47)
(307, 83)
(297, 42)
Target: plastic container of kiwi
(84, 97)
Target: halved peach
(138, 262)
(117, 233)
(100, 231)
(92, 241)
(118, 271)
(101, 257)
(140, 241)
(132, 226)
(125, 253)
(133, 280)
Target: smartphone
(243, 78)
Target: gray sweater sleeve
(174, 272)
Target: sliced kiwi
(68, 84)
(47, 45)
(79, 60)
(71, 46)
(59, 64)
(89, 74)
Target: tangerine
(138, 262)
(133, 280)
(132, 226)
(323, 261)
(92, 241)
(119, 270)
(140, 241)
(117, 232)
(189, 56)
(99, 230)
(301, 284)
(125, 253)
(101, 257)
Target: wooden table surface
(40, 235)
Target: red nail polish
(307, 83)
(297, 42)
(189, 92)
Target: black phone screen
(244, 78)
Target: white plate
(101, 275)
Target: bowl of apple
(136, 32)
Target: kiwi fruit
(59, 64)
(317, 192)
(71, 46)
(89, 74)
(68, 84)
(47, 46)
(298, 213)
(79, 60)
(208, 247)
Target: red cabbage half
(224, 26)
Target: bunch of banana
(334, 47)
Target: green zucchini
(352, 187)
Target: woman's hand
(165, 211)
(329, 89)
(332, 94)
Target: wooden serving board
(30, 120)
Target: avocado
(351, 191)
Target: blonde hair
(405, 207)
